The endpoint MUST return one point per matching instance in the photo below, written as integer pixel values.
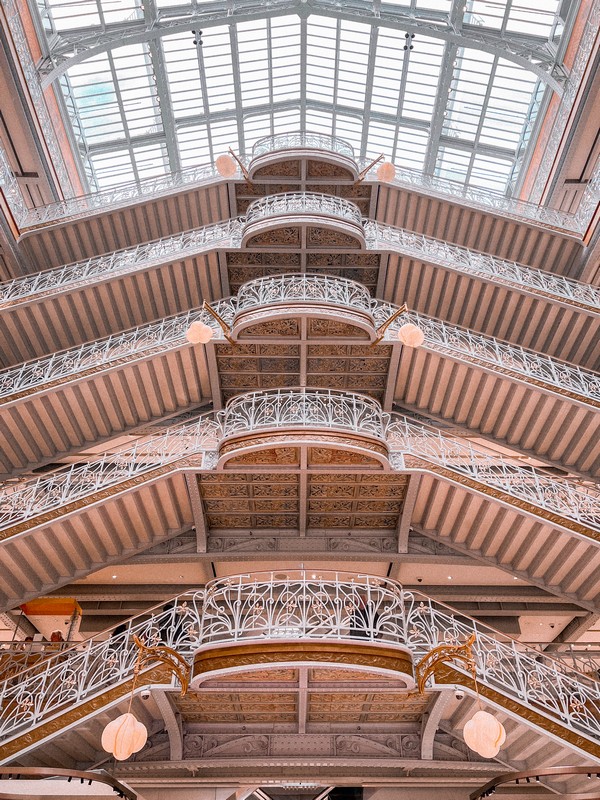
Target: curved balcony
(358, 418)
(304, 209)
(324, 156)
(363, 619)
(303, 140)
(303, 408)
(357, 421)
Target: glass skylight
(426, 102)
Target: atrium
(299, 391)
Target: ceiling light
(226, 166)
(484, 734)
(411, 335)
(386, 172)
(199, 333)
(124, 736)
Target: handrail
(262, 293)
(299, 606)
(286, 203)
(319, 409)
(302, 139)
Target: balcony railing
(327, 606)
(509, 273)
(323, 408)
(302, 140)
(339, 293)
(229, 235)
(305, 408)
(276, 205)
(83, 273)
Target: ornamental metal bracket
(442, 654)
(164, 655)
(380, 331)
(219, 319)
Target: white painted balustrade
(299, 606)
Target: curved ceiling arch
(437, 88)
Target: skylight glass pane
(508, 108)
(181, 63)
(216, 57)
(468, 93)
(320, 58)
(285, 49)
(387, 74)
(193, 144)
(453, 164)
(490, 173)
(423, 70)
(352, 64)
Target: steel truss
(330, 606)
(534, 53)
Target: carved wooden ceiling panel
(243, 265)
(333, 502)
(308, 175)
(365, 707)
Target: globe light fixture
(199, 333)
(124, 736)
(226, 166)
(411, 335)
(386, 172)
(484, 734)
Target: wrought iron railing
(229, 234)
(574, 501)
(306, 289)
(22, 501)
(82, 273)
(298, 606)
(498, 270)
(287, 203)
(302, 139)
(339, 293)
(481, 199)
(460, 342)
(317, 409)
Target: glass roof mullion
(303, 81)
(206, 105)
(237, 89)
(441, 107)
(484, 108)
(336, 75)
(400, 107)
(270, 73)
(123, 115)
(369, 90)
(166, 108)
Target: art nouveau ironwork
(313, 291)
(299, 606)
(229, 234)
(319, 410)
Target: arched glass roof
(449, 88)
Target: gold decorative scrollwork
(167, 656)
(442, 654)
